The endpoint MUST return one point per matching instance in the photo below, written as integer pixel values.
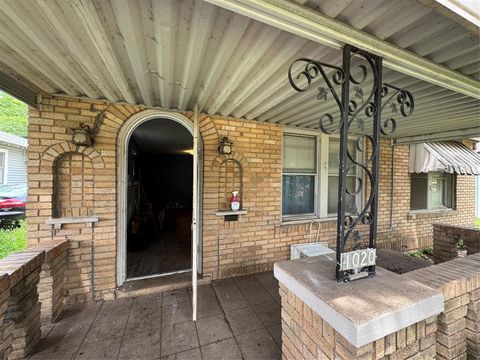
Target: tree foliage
(13, 115)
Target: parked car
(13, 199)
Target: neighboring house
(136, 71)
(13, 159)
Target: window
(299, 175)
(435, 190)
(308, 189)
(3, 163)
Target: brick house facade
(82, 181)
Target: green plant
(13, 115)
(13, 239)
(416, 253)
(428, 250)
(424, 253)
(476, 223)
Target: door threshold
(128, 280)
(158, 284)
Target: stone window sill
(57, 223)
(414, 214)
(305, 220)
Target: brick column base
(451, 336)
(23, 309)
(473, 326)
(305, 335)
(6, 327)
(51, 288)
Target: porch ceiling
(173, 54)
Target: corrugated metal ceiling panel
(173, 54)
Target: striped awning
(444, 156)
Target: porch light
(85, 135)
(82, 136)
(225, 147)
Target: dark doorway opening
(159, 200)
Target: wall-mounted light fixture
(82, 136)
(85, 135)
(225, 147)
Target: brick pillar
(459, 324)
(446, 238)
(51, 288)
(473, 326)
(305, 335)
(23, 307)
(6, 327)
(451, 335)
(444, 243)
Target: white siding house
(13, 156)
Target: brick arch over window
(234, 156)
(68, 172)
(53, 152)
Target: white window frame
(316, 176)
(4, 181)
(321, 178)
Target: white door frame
(123, 139)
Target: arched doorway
(155, 187)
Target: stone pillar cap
(364, 310)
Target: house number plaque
(357, 259)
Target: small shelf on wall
(231, 215)
(58, 222)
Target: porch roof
(175, 54)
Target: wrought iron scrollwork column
(358, 110)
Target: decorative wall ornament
(360, 76)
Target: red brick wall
(251, 244)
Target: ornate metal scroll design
(311, 70)
(369, 108)
(355, 110)
(400, 99)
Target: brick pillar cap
(361, 311)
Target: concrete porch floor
(237, 319)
